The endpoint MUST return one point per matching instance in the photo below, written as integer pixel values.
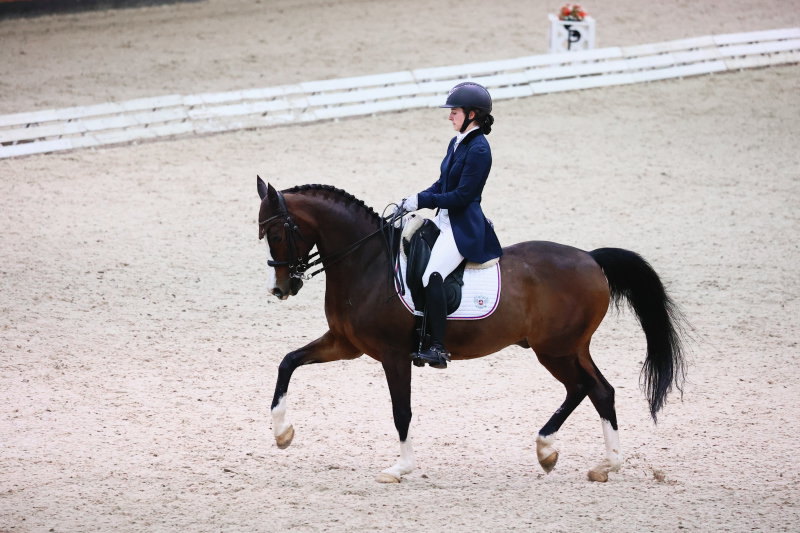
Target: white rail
(178, 115)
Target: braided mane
(345, 196)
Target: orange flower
(572, 12)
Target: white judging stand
(571, 35)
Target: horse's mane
(345, 196)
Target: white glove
(410, 203)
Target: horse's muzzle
(279, 294)
(295, 284)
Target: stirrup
(436, 357)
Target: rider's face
(457, 117)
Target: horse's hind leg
(566, 370)
(326, 348)
(602, 396)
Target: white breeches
(445, 256)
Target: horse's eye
(274, 238)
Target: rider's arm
(477, 163)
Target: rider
(465, 231)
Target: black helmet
(469, 95)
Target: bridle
(300, 264)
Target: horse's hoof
(601, 476)
(383, 477)
(549, 462)
(285, 439)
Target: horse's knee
(291, 361)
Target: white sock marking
(613, 450)
(406, 463)
(545, 446)
(279, 424)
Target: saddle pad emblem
(480, 302)
(480, 294)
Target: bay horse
(554, 298)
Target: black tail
(632, 278)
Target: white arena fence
(71, 128)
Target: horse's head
(288, 250)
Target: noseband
(298, 267)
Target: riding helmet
(469, 95)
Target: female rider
(465, 231)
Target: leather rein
(300, 264)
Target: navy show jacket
(458, 189)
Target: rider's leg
(445, 256)
(436, 318)
(444, 259)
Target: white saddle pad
(480, 294)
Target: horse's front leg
(397, 367)
(326, 348)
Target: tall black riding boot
(436, 318)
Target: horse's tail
(632, 278)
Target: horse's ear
(262, 187)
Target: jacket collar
(466, 140)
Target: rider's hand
(409, 204)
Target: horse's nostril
(277, 292)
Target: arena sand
(139, 348)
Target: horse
(554, 298)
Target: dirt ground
(139, 347)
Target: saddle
(418, 241)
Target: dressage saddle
(418, 252)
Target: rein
(298, 267)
